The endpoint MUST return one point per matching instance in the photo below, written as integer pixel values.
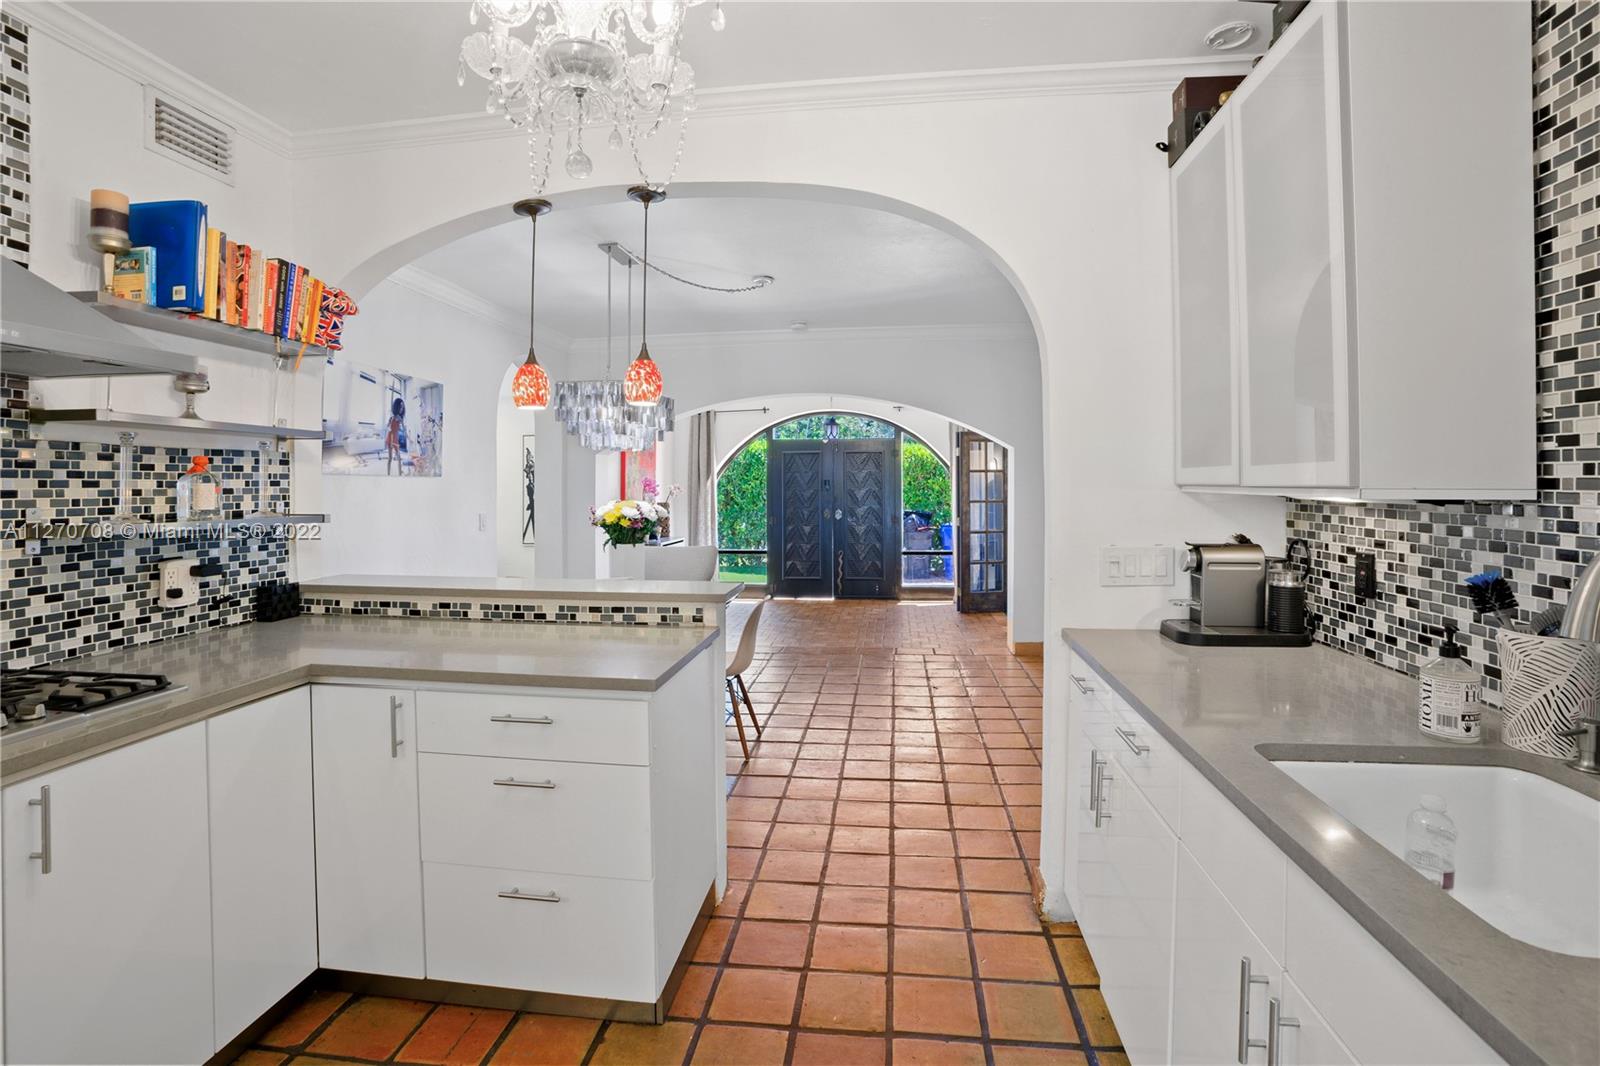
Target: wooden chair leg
(747, 704)
(737, 721)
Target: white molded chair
(680, 562)
(738, 662)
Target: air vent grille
(178, 129)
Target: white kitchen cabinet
(1358, 320)
(1205, 341)
(1216, 1006)
(263, 856)
(1088, 723)
(1306, 1038)
(369, 860)
(108, 950)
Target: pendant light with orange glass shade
(530, 388)
(642, 386)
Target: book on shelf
(255, 287)
(229, 294)
(134, 275)
(175, 231)
(286, 272)
(270, 294)
(213, 271)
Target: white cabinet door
(1296, 416)
(1088, 726)
(1214, 1008)
(1305, 1038)
(1131, 935)
(369, 861)
(263, 856)
(1203, 310)
(108, 953)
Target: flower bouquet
(633, 521)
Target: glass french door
(982, 492)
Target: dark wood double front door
(833, 518)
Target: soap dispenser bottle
(1448, 694)
(199, 492)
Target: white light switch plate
(1136, 564)
(175, 577)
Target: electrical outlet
(1366, 586)
(177, 586)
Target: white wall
(513, 557)
(380, 525)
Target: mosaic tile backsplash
(1424, 552)
(82, 596)
(16, 141)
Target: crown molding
(115, 52)
(985, 333)
(839, 93)
(431, 286)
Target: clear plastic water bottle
(1431, 842)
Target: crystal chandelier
(577, 74)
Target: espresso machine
(1229, 595)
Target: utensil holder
(1547, 684)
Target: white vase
(627, 561)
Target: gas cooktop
(35, 699)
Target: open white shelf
(106, 418)
(187, 324)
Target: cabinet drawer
(1146, 759)
(1247, 866)
(579, 728)
(577, 936)
(578, 818)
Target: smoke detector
(1230, 35)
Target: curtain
(701, 491)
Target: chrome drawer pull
(1275, 1022)
(1083, 684)
(1100, 812)
(514, 719)
(512, 782)
(43, 854)
(532, 897)
(395, 743)
(1246, 979)
(1097, 765)
(1127, 736)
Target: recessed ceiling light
(1230, 35)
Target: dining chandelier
(578, 74)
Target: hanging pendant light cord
(533, 263)
(644, 286)
(757, 283)
(610, 314)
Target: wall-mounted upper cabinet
(1353, 263)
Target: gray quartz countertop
(519, 588)
(1230, 711)
(223, 668)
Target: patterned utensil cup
(1547, 683)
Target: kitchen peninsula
(520, 813)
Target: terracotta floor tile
(919, 906)
(370, 1028)
(995, 875)
(831, 1049)
(800, 866)
(859, 906)
(1037, 1013)
(1096, 1017)
(1064, 929)
(919, 792)
(787, 836)
(1075, 960)
(739, 1045)
(765, 997)
(747, 834)
(546, 1040)
(925, 871)
(732, 899)
(296, 1027)
(1040, 1056)
(772, 899)
(742, 862)
(455, 1036)
(975, 793)
(847, 869)
(870, 791)
(693, 992)
(921, 816)
(751, 808)
(860, 812)
(994, 818)
(806, 811)
(915, 1051)
(935, 1005)
(1015, 957)
(780, 944)
(257, 1057)
(858, 948)
(624, 1044)
(861, 839)
(1111, 1058)
(932, 952)
(713, 940)
(812, 788)
(844, 1001)
(985, 844)
(1003, 911)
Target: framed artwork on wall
(379, 423)
(527, 488)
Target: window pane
(850, 427)
(994, 545)
(997, 516)
(996, 576)
(975, 517)
(975, 578)
(977, 483)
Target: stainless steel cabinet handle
(1246, 979)
(1127, 736)
(511, 782)
(43, 854)
(1276, 1022)
(395, 743)
(533, 897)
(514, 719)
(1097, 765)
(1083, 684)
(1100, 812)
